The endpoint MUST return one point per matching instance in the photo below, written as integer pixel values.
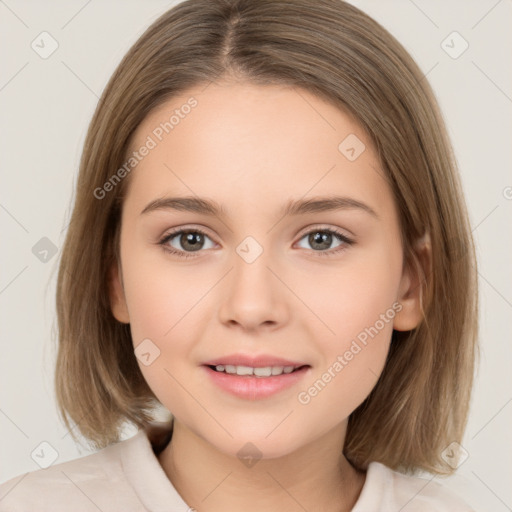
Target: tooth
(244, 370)
(263, 372)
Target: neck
(316, 477)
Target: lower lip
(251, 387)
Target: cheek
(352, 360)
(355, 295)
(161, 308)
(336, 390)
(162, 297)
(165, 302)
(358, 306)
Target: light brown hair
(334, 50)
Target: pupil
(319, 238)
(193, 240)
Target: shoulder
(387, 490)
(89, 483)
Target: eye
(321, 240)
(186, 240)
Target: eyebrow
(293, 207)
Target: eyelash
(184, 254)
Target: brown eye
(185, 241)
(321, 240)
(191, 241)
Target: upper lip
(259, 361)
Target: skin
(252, 148)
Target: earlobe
(412, 286)
(116, 294)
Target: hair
(335, 51)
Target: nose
(253, 295)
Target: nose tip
(252, 296)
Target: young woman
(269, 240)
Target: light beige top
(127, 477)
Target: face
(318, 288)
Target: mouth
(256, 371)
(256, 379)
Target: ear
(116, 295)
(411, 286)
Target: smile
(265, 371)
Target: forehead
(245, 144)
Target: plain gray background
(47, 104)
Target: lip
(259, 361)
(251, 387)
